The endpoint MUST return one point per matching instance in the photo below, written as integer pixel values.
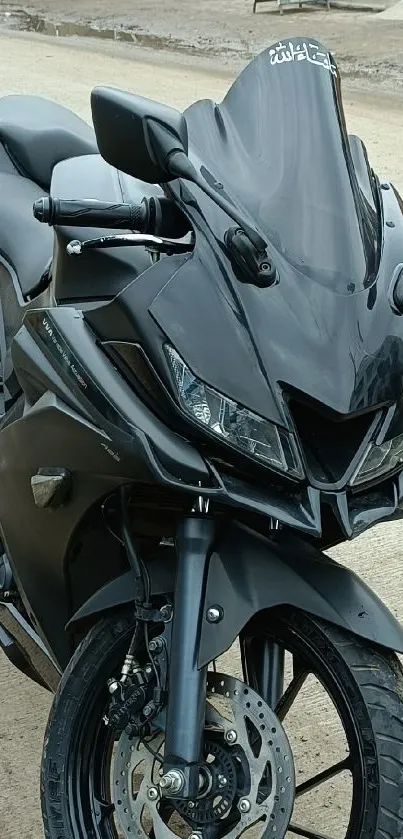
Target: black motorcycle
(193, 410)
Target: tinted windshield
(279, 146)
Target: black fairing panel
(80, 416)
(278, 147)
(17, 225)
(38, 550)
(95, 274)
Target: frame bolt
(231, 736)
(214, 614)
(244, 805)
(166, 613)
(152, 793)
(222, 781)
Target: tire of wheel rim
(77, 805)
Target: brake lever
(155, 243)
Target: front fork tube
(263, 666)
(187, 683)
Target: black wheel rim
(310, 661)
(91, 809)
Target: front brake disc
(250, 738)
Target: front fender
(248, 573)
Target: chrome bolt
(148, 669)
(191, 805)
(166, 613)
(231, 736)
(147, 710)
(244, 805)
(214, 614)
(173, 781)
(222, 781)
(152, 793)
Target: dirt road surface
(66, 74)
(369, 49)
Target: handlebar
(91, 213)
(159, 216)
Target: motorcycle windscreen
(279, 147)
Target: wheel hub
(220, 793)
(249, 761)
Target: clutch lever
(154, 243)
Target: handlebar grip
(91, 213)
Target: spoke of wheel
(290, 695)
(304, 831)
(313, 782)
(103, 810)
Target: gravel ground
(66, 73)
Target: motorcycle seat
(38, 133)
(25, 244)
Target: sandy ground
(58, 70)
(367, 47)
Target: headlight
(379, 460)
(237, 426)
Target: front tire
(365, 684)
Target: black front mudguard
(248, 573)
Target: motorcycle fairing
(234, 336)
(278, 147)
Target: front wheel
(327, 762)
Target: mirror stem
(178, 164)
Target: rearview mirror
(137, 135)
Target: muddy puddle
(22, 21)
